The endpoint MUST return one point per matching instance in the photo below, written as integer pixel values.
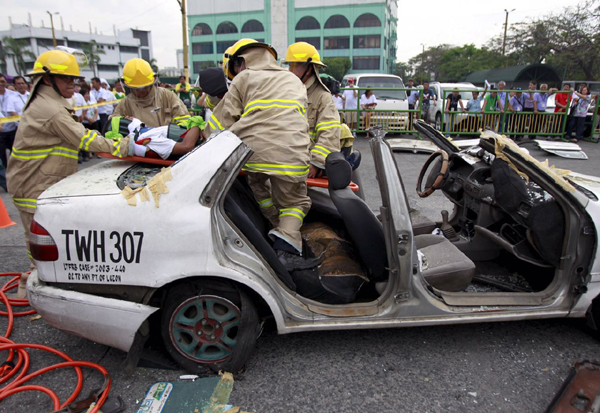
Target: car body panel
(103, 320)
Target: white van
(386, 99)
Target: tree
(16, 49)
(154, 65)
(456, 63)
(404, 70)
(427, 64)
(337, 67)
(93, 53)
(569, 41)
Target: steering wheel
(437, 175)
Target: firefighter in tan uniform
(266, 108)
(49, 138)
(323, 117)
(153, 105)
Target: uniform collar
(49, 93)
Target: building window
(367, 20)
(222, 46)
(367, 42)
(366, 63)
(125, 49)
(142, 35)
(252, 26)
(81, 45)
(336, 43)
(49, 43)
(199, 66)
(315, 41)
(202, 48)
(337, 22)
(145, 54)
(201, 29)
(226, 27)
(108, 68)
(308, 23)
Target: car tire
(438, 121)
(209, 325)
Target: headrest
(339, 171)
(212, 82)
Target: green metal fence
(512, 123)
(391, 120)
(595, 132)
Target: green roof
(538, 72)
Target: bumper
(104, 320)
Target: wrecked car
(185, 257)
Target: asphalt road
(504, 367)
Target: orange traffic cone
(5, 220)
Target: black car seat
(363, 227)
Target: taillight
(41, 244)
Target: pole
(186, 71)
(505, 30)
(422, 63)
(52, 25)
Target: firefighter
(322, 115)
(153, 105)
(266, 108)
(49, 138)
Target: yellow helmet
(55, 62)
(238, 48)
(137, 73)
(226, 59)
(302, 52)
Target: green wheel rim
(205, 328)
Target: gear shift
(447, 229)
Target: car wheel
(438, 121)
(209, 325)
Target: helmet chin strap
(52, 82)
(308, 67)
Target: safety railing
(510, 121)
(392, 120)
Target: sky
(474, 21)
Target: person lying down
(165, 141)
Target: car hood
(100, 179)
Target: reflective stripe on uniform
(181, 120)
(278, 169)
(214, 123)
(117, 150)
(266, 203)
(321, 150)
(274, 103)
(43, 153)
(328, 125)
(26, 202)
(87, 139)
(294, 212)
(313, 135)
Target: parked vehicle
(434, 115)
(391, 100)
(194, 267)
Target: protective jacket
(159, 108)
(323, 122)
(47, 145)
(266, 108)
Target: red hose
(22, 365)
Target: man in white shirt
(110, 96)
(100, 95)
(7, 135)
(77, 101)
(351, 102)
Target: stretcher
(312, 182)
